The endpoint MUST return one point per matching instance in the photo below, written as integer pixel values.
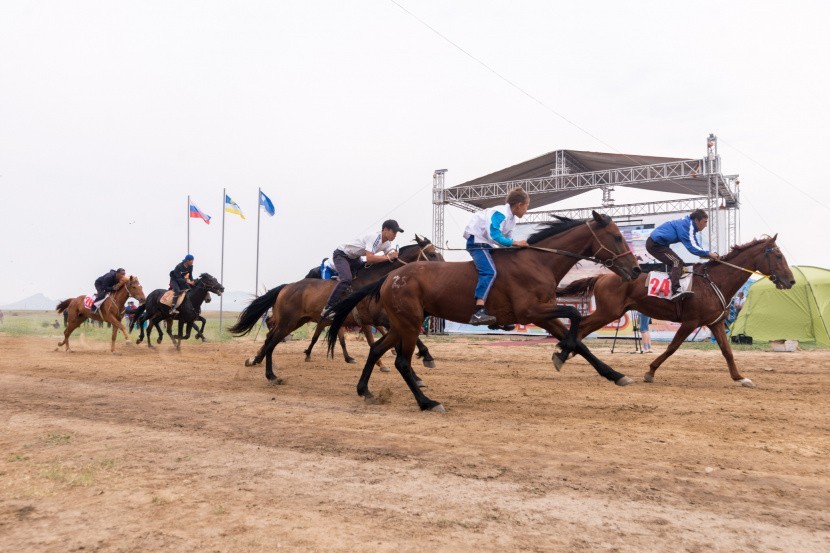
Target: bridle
(767, 251)
(420, 255)
(610, 262)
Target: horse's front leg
(719, 332)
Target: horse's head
(610, 247)
(135, 289)
(209, 283)
(774, 264)
(427, 252)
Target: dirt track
(155, 450)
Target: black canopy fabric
(579, 162)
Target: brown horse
(298, 303)
(111, 310)
(523, 292)
(713, 285)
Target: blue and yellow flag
(232, 207)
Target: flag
(196, 213)
(231, 207)
(265, 202)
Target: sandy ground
(154, 450)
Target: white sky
(112, 112)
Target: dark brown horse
(298, 303)
(523, 292)
(713, 285)
(111, 310)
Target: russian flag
(195, 213)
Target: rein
(608, 263)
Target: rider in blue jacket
(685, 231)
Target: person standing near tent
(685, 231)
(488, 229)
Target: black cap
(392, 224)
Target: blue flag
(265, 202)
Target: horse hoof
(351, 361)
(384, 369)
(624, 381)
(370, 399)
(116, 353)
(307, 359)
(648, 377)
(746, 383)
(557, 363)
(437, 409)
(429, 364)
(250, 362)
(420, 384)
(276, 381)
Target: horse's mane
(401, 253)
(738, 248)
(553, 228)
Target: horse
(111, 310)
(153, 311)
(297, 303)
(714, 282)
(523, 292)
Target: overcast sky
(112, 112)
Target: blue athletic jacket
(680, 230)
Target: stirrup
(681, 295)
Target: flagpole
(222, 261)
(258, 210)
(188, 223)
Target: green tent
(801, 313)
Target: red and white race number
(660, 287)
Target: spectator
(644, 321)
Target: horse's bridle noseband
(608, 263)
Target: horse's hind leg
(341, 336)
(403, 362)
(683, 332)
(74, 322)
(375, 352)
(370, 339)
(317, 331)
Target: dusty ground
(155, 451)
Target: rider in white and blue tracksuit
(685, 231)
(489, 229)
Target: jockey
(347, 258)
(684, 231)
(105, 284)
(181, 278)
(486, 230)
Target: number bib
(659, 284)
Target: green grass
(40, 323)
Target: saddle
(167, 298)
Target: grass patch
(58, 438)
(17, 458)
(80, 477)
(219, 510)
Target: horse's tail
(581, 287)
(63, 305)
(250, 315)
(345, 306)
(136, 318)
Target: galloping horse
(523, 292)
(300, 302)
(153, 311)
(111, 310)
(714, 283)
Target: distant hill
(231, 301)
(37, 302)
